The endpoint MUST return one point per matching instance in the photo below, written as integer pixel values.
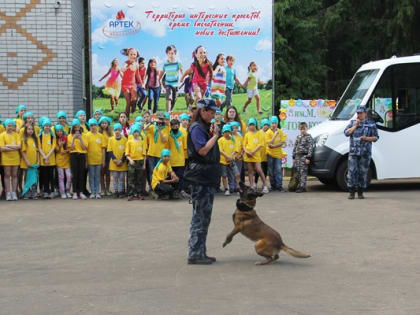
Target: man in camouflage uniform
(302, 153)
(362, 133)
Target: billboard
(187, 49)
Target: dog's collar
(242, 206)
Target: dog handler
(202, 174)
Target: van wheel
(341, 176)
(328, 181)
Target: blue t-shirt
(199, 137)
(230, 77)
(172, 73)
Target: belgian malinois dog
(268, 241)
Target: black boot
(351, 195)
(360, 193)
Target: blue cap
(218, 111)
(61, 114)
(80, 112)
(252, 121)
(117, 126)
(105, 118)
(75, 122)
(99, 110)
(235, 124)
(20, 107)
(361, 109)
(207, 103)
(213, 121)
(227, 128)
(92, 121)
(58, 127)
(45, 121)
(28, 114)
(135, 128)
(165, 152)
(264, 122)
(9, 121)
(139, 119)
(274, 120)
(166, 115)
(184, 116)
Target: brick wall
(41, 49)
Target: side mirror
(373, 115)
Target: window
(397, 97)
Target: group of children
(57, 159)
(202, 79)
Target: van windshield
(354, 94)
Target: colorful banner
(167, 34)
(293, 112)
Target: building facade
(42, 49)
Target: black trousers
(165, 189)
(46, 178)
(78, 170)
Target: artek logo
(120, 26)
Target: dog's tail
(294, 253)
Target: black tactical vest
(202, 170)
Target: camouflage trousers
(202, 200)
(358, 169)
(302, 170)
(136, 178)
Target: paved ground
(119, 257)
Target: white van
(390, 89)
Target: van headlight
(321, 139)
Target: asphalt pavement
(118, 257)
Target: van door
(396, 99)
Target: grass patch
(237, 99)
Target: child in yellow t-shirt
(265, 125)
(29, 161)
(275, 139)
(20, 111)
(135, 152)
(177, 144)
(62, 159)
(237, 136)
(96, 157)
(228, 152)
(164, 179)
(77, 144)
(118, 164)
(46, 146)
(252, 144)
(106, 130)
(10, 158)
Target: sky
(154, 37)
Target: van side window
(397, 97)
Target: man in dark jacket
(203, 175)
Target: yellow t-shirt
(19, 123)
(31, 152)
(155, 149)
(2, 129)
(106, 138)
(178, 157)
(251, 141)
(228, 146)
(95, 146)
(46, 143)
(263, 149)
(278, 152)
(62, 159)
(36, 129)
(84, 128)
(161, 173)
(136, 149)
(238, 141)
(11, 158)
(77, 146)
(118, 148)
